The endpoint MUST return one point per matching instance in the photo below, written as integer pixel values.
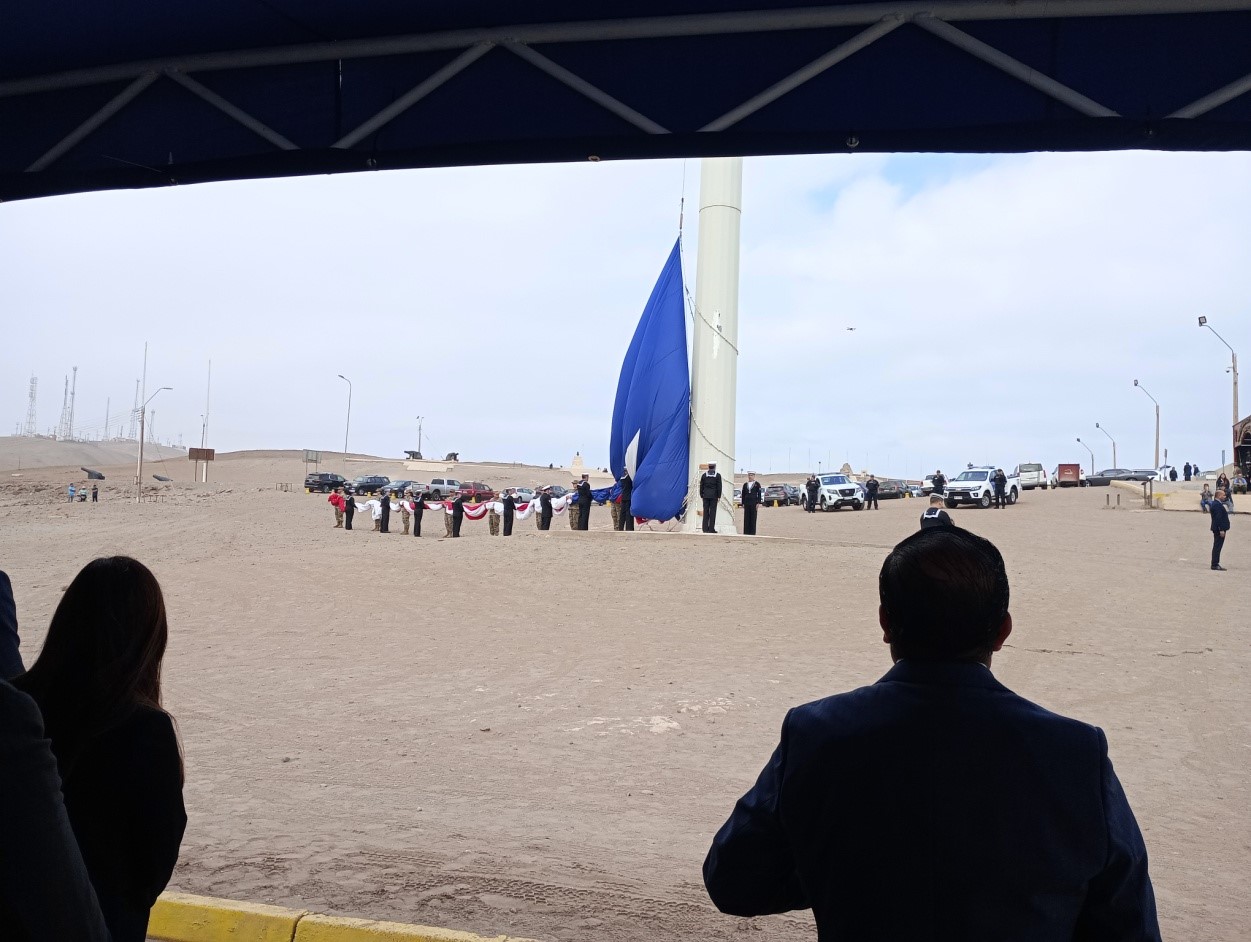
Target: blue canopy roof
(135, 93)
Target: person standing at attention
(813, 488)
(710, 494)
(936, 803)
(458, 512)
(384, 505)
(999, 481)
(95, 493)
(406, 514)
(934, 515)
(751, 503)
(871, 488)
(1186, 470)
(338, 503)
(1220, 526)
(940, 482)
(545, 509)
(625, 517)
(349, 510)
(419, 510)
(510, 510)
(584, 503)
(97, 682)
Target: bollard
(1107, 501)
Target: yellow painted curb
(180, 917)
(317, 928)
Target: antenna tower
(134, 415)
(62, 429)
(29, 430)
(69, 429)
(152, 427)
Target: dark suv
(370, 483)
(323, 482)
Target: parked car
(1108, 475)
(476, 492)
(370, 483)
(974, 486)
(523, 495)
(836, 491)
(1032, 475)
(775, 493)
(1068, 475)
(888, 490)
(927, 486)
(557, 490)
(443, 487)
(322, 482)
(738, 497)
(399, 487)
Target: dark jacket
(934, 805)
(871, 487)
(1220, 516)
(123, 792)
(627, 488)
(751, 493)
(45, 892)
(710, 485)
(812, 485)
(935, 517)
(584, 495)
(10, 656)
(510, 505)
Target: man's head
(1220, 493)
(944, 597)
(751, 475)
(936, 500)
(712, 467)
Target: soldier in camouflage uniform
(493, 522)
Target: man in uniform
(1000, 481)
(510, 510)
(1220, 526)
(545, 509)
(337, 502)
(813, 487)
(458, 512)
(1186, 470)
(870, 493)
(419, 510)
(349, 510)
(384, 498)
(934, 515)
(751, 503)
(584, 503)
(95, 494)
(710, 492)
(625, 518)
(940, 483)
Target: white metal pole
(714, 357)
(139, 466)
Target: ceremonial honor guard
(510, 510)
(349, 510)
(751, 503)
(545, 509)
(710, 491)
(584, 503)
(384, 499)
(458, 512)
(419, 508)
(625, 517)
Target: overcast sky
(1002, 306)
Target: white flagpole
(714, 358)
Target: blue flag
(651, 417)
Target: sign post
(200, 455)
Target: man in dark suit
(1220, 526)
(751, 503)
(458, 513)
(10, 657)
(937, 804)
(510, 511)
(45, 892)
(625, 516)
(710, 493)
(384, 496)
(545, 509)
(584, 503)
(419, 510)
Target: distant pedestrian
(406, 514)
(95, 494)
(71, 493)
(1186, 470)
(1000, 482)
(384, 498)
(625, 516)
(812, 487)
(751, 503)
(1194, 469)
(545, 509)
(934, 515)
(458, 513)
(710, 494)
(1172, 474)
(584, 503)
(940, 482)
(1205, 498)
(510, 510)
(1220, 526)
(871, 488)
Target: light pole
(143, 409)
(419, 420)
(1112, 440)
(1092, 454)
(348, 425)
(1157, 422)
(1203, 322)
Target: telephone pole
(30, 429)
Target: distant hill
(19, 453)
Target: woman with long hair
(97, 682)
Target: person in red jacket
(338, 503)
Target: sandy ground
(540, 735)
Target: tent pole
(714, 357)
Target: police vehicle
(974, 486)
(836, 491)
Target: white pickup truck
(836, 492)
(974, 486)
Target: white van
(1032, 475)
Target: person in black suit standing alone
(545, 509)
(1220, 526)
(625, 516)
(349, 510)
(710, 492)
(98, 684)
(384, 497)
(458, 512)
(510, 511)
(419, 510)
(584, 503)
(813, 488)
(751, 503)
(870, 493)
(936, 803)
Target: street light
(143, 411)
(1157, 422)
(1112, 440)
(1092, 455)
(1203, 322)
(348, 425)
